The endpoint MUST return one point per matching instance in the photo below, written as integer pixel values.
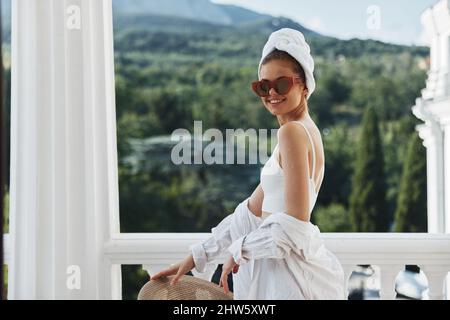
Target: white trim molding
(433, 107)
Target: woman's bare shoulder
(291, 133)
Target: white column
(388, 276)
(64, 188)
(436, 280)
(433, 108)
(446, 128)
(447, 87)
(348, 270)
(433, 141)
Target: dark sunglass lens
(263, 88)
(283, 85)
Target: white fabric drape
(64, 183)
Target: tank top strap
(312, 146)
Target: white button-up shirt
(280, 257)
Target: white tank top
(272, 182)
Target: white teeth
(275, 101)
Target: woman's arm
(213, 249)
(293, 142)
(270, 241)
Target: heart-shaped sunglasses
(281, 85)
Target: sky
(395, 21)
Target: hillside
(200, 10)
(171, 34)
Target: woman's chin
(275, 110)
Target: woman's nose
(273, 92)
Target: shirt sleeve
(213, 248)
(268, 241)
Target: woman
(274, 251)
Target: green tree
(411, 213)
(336, 186)
(368, 207)
(332, 218)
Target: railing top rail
(351, 248)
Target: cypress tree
(368, 205)
(411, 213)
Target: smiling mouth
(276, 101)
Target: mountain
(202, 13)
(268, 25)
(201, 10)
(181, 25)
(239, 15)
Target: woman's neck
(293, 117)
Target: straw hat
(187, 288)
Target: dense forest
(167, 79)
(171, 72)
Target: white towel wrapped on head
(293, 42)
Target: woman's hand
(228, 266)
(178, 269)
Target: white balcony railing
(389, 251)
